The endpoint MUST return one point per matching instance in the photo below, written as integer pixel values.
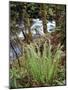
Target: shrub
(43, 68)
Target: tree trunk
(27, 27)
(43, 14)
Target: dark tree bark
(43, 13)
(15, 53)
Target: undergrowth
(43, 68)
(38, 69)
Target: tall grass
(14, 75)
(43, 68)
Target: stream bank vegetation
(39, 60)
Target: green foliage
(14, 75)
(50, 11)
(43, 69)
